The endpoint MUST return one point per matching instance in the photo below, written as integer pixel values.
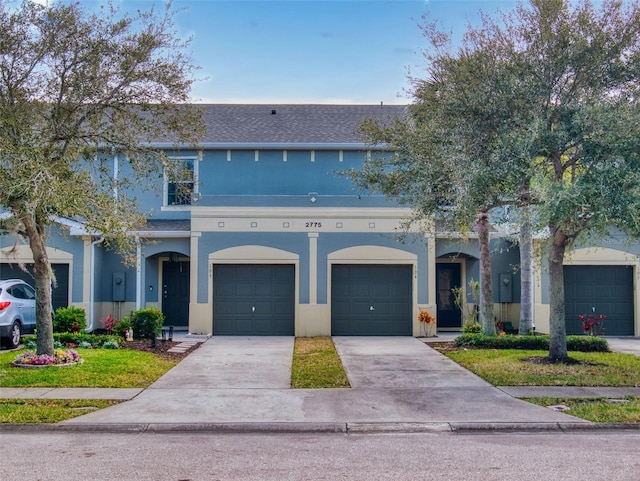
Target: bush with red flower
(592, 323)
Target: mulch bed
(161, 348)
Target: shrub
(121, 328)
(69, 319)
(109, 323)
(146, 323)
(538, 343)
(472, 328)
(68, 339)
(110, 345)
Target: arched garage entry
(254, 291)
(372, 291)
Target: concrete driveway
(245, 380)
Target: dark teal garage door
(253, 300)
(608, 289)
(59, 293)
(371, 300)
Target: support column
(313, 267)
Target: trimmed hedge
(146, 323)
(69, 319)
(538, 342)
(67, 338)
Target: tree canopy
(77, 88)
(537, 108)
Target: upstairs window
(180, 183)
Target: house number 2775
(312, 224)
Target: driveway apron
(227, 362)
(231, 380)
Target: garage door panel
(608, 289)
(254, 299)
(355, 289)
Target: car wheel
(15, 335)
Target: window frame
(195, 159)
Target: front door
(175, 293)
(448, 278)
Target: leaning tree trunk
(43, 278)
(486, 280)
(557, 324)
(526, 274)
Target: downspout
(138, 273)
(92, 283)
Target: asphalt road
(71, 456)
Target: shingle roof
(167, 225)
(290, 123)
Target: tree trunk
(557, 325)
(526, 275)
(486, 280)
(43, 278)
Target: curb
(322, 428)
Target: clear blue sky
(310, 51)
(326, 51)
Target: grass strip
(626, 410)
(115, 368)
(316, 364)
(514, 367)
(38, 411)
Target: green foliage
(121, 327)
(538, 342)
(77, 84)
(146, 323)
(111, 345)
(474, 328)
(70, 339)
(469, 315)
(69, 319)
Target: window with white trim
(180, 181)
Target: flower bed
(61, 357)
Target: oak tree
(76, 88)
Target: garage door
(371, 300)
(607, 288)
(253, 300)
(59, 294)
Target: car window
(17, 292)
(29, 292)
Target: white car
(17, 311)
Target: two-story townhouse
(264, 235)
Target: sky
(310, 51)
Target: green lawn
(316, 364)
(509, 367)
(27, 411)
(117, 368)
(625, 411)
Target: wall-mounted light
(150, 288)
